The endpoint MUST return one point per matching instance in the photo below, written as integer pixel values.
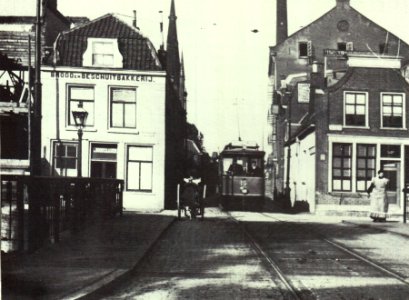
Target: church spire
(172, 59)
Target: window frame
(342, 178)
(403, 109)
(111, 53)
(69, 101)
(128, 160)
(56, 156)
(344, 44)
(357, 168)
(110, 106)
(94, 160)
(366, 125)
(303, 43)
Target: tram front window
(236, 168)
(254, 168)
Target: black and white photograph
(204, 149)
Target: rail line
(256, 246)
(358, 256)
(281, 274)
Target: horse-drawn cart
(190, 199)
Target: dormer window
(102, 52)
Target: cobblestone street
(208, 259)
(216, 259)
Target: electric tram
(241, 173)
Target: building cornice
(103, 71)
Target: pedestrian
(255, 170)
(378, 196)
(235, 169)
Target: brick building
(353, 128)
(328, 41)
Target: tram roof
(243, 148)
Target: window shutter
(309, 48)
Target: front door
(103, 161)
(392, 172)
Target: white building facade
(119, 82)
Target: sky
(226, 62)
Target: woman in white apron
(379, 200)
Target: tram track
(295, 292)
(274, 266)
(356, 255)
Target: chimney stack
(282, 24)
(134, 23)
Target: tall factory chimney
(343, 3)
(282, 24)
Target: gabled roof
(137, 51)
(327, 14)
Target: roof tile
(137, 51)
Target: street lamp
(80, 116)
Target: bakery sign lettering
(102, 76)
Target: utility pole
(287, 184)
(36, 121)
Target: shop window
(365, 166)
(392, 110)
(355, 109)
(65, 157)
(139, 168)
(123, 107)
(103, 161)
(84, 95)
(341, 167)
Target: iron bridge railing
(36, 210)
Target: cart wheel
(178, 202)
(179, 212)
(201, 209)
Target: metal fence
(36, 210)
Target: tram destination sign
(102, 76)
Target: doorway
(393, 173)
(103, 160)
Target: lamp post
(80, 116)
